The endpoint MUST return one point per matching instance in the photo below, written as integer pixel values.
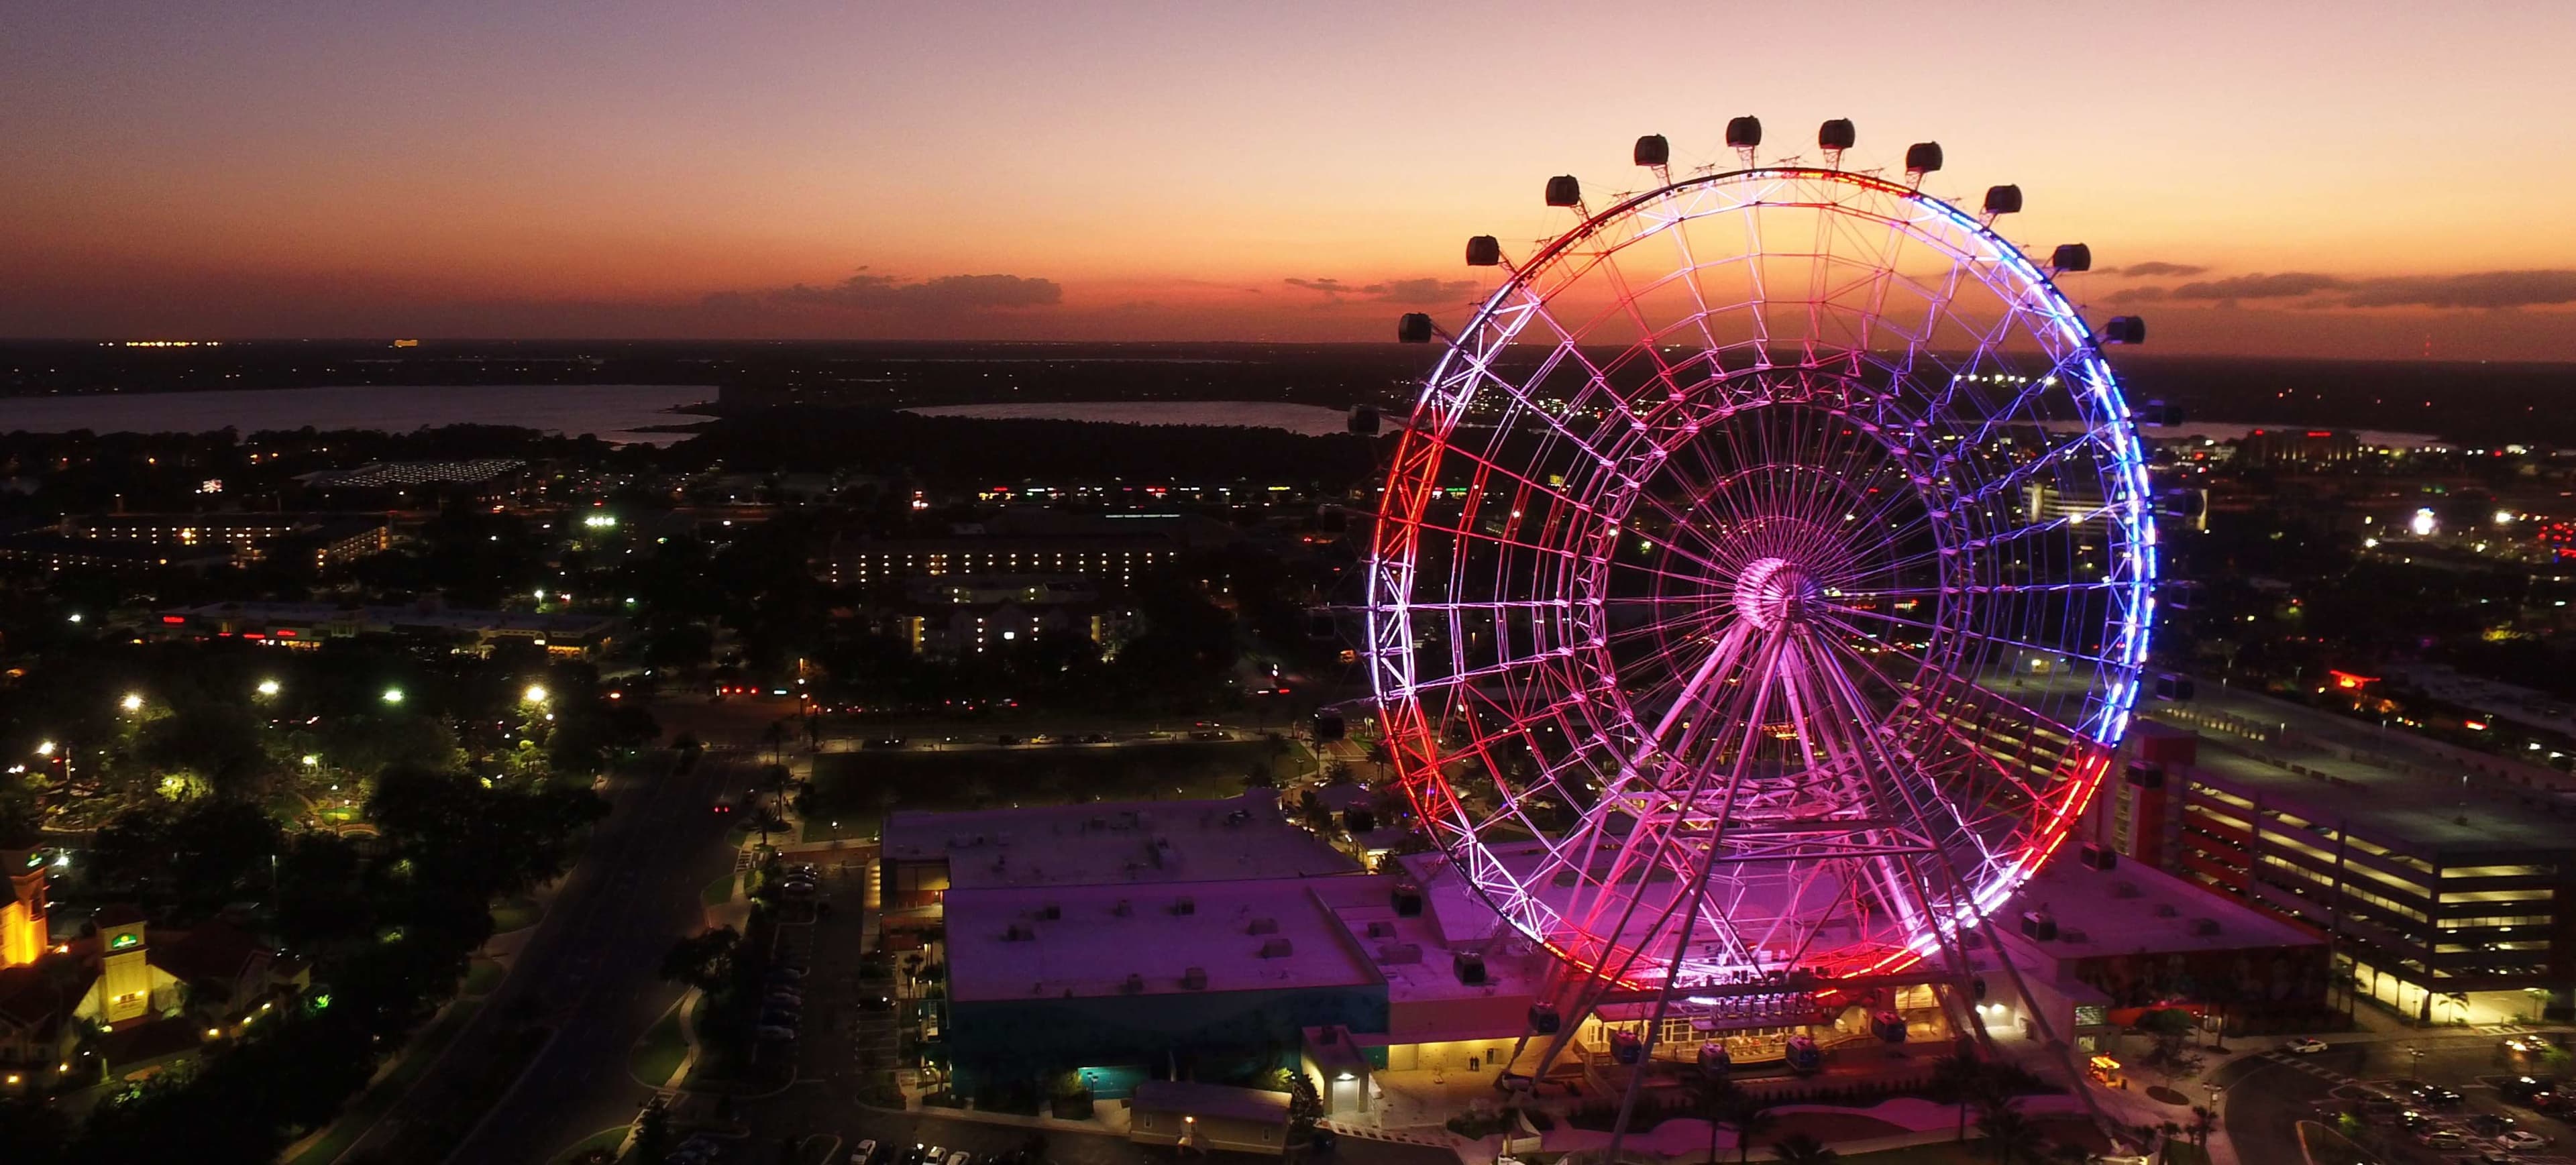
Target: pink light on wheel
(1762, 581)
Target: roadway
(589, 972)
(2265, 1097)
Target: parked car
(2432, 1096)
(2443, 1139)
(960, 1157)
(863, 1153)
(2413, 1121)
(2304, 1046)
(2522, 1141)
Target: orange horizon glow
(1148, 171)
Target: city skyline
(1140, 172)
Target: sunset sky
(2356, 178)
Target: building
(2442, 877)
(152, 996)
(948, 616)
(926, 855)
(428, 622)
(1110, 550)
(2275, 447)
(2099, 942)
(1199, 939)
(321, 539)
(1206, 1118)
(50, 551)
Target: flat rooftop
(2132, 909)
(2384, 785)
(1137, 842)
(1416, 954)
(1251, 935)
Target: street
(589, 973)
(2265, 1097)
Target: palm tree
(2009, 1136)
(1801, 1149)
(1717, 1097)
(1955, 1078)
(1750, 1118)
(2202, 1117)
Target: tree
(2170, 1027)
(1802, 1149)
(704, 962)
(1958, 1079)
(2010, 1137)
(2202, 1119)
(1751, 1117)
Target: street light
(393, 695)
(45, 748)
(268, 687)
(536, 694)
(133, 702)
(311, 761)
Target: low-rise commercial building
(2443, 881)
(429, 622)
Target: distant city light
(269, 687)
(131, 703)
(76, 616)
(393, 695)
(45, 748)
(2423, 524)
(599, 521)
(2504, 517)
(536, 694)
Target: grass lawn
(370, 1107)
(718, 892)
(515, 914)
(1936, 1153)
(608, 1139)
(859, 785)
(481, 976)
(659, 1052)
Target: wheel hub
(1773, 593)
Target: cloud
(864, 292)
(2141, 270)
(2286, 285)
(2486, 289)
(2129, 295)
(1403, 291)
(1421, 290)
(1331, 287)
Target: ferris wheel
(1764, 576)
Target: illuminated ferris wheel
(1764, 575)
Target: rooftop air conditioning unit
(1277, 948)
(2098, 857)
(1018, 933)
(2204, 926)
(2124, 889)
(1185, 905)
(1195, 979)
(1051, 912)
(2166, 910)
(1470, 967)
(1262, 926)
(1399, 954)
(1135, 985)
(1408, 901)
(1381, 929)
(1123, 909)
(2037, 924)
(2072, 935)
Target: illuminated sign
(122, 941)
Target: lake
(612, 412)
(1307, 420)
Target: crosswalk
(2307, 1064)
